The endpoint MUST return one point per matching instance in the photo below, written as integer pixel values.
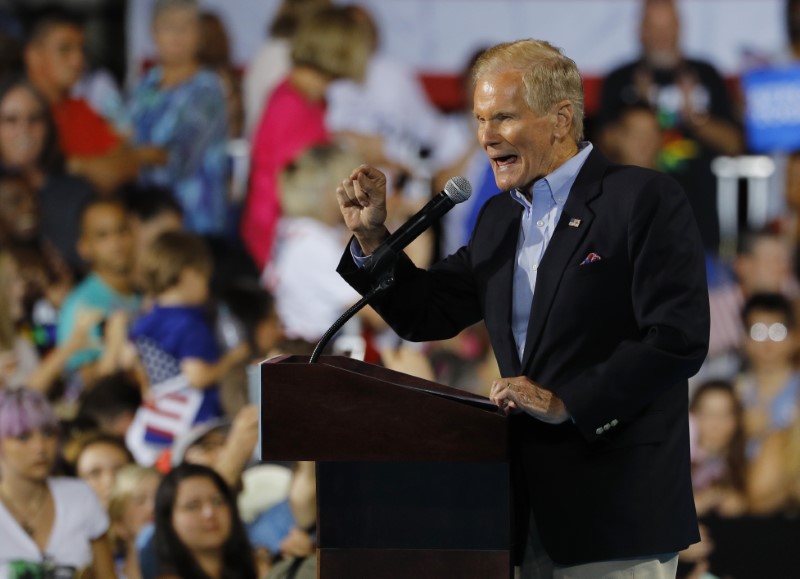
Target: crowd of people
(137, 295)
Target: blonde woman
(131, 508)
(331, 44)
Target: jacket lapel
(499, 288)
(560, 252)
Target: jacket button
(599, 430)
(607, 427)
(614, 422)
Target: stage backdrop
(437, 37)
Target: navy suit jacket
(616, 339)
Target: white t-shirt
(392, 103)
(309, 294)
(79, 519)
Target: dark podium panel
(413, 478)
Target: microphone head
(458, 189)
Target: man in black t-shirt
(692, 104)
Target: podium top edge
(393, 377)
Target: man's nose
(487, 135)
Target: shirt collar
(560, 181)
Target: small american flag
(590, 258)
(171, 410)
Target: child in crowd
(176, 346)
(110, 405)
(96, 458)
(770, 385)
(247, 314)
(153, 211)
(106, 245)
(309, 294)
(131, 508)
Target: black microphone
(456, 190)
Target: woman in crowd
(131, 508)
(331, 44)
(50, 525)
(718, 461)
(181, 107)
(198, 530)
(47, 277)
(271, 63)
(28, 144)
(97, 458)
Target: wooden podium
(413, 478)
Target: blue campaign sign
(772, 111)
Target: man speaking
(591, 281)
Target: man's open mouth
(504, 160)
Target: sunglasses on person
(761, 332)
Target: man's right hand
(362, 201)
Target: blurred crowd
(142, 281)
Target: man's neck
(561, 154)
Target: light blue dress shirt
(539, 219)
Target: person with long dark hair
(29, 146)
(199, 534)
(718, 450)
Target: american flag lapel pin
(574, 222)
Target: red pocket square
(590, 258)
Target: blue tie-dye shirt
(190, 121)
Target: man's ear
(564, 114)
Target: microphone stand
(385, 281)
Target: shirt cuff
(358, 256)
